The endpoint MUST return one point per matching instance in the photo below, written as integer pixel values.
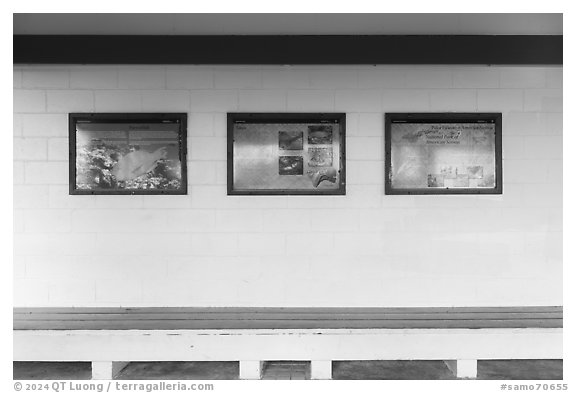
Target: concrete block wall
(362, 249)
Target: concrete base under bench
(297, 370)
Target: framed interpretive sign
(443, 153)
(127, 153)
(286, 154)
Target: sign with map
(454, 153)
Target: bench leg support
(251, 369)
(107, 370)
(321, 369)
(463, 368)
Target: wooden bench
(112, 337)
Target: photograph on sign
(291, 140)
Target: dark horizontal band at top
(290, 50)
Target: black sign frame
(137, 118)
(272, 118)
(443, 118)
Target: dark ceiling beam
(296, 50)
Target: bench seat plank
(285, 318)
(286, 324)
(303, 310)
(86, 316)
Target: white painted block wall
(362, 249)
